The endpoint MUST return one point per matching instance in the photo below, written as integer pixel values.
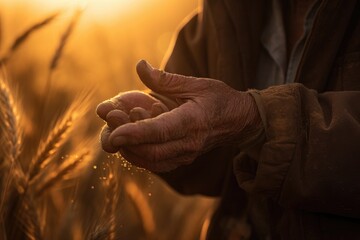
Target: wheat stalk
(111, 202)
(56, 176)
(27, 217)
(57, 56)
(142, 207)
(25, 35)
(64, 39)
(60, 48)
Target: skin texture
(160, 135)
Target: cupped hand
(128, 107)
(209, 114)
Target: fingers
(105, 140)
(165, 151)
(125, 102)
(138, 113)
(104, 108)
(165, 127)
(116, 118)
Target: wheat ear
(58, 135)
(56, 176)
(9, 122)
(1, 31)
(25, 35)
(52, 143)
(11, 139)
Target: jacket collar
(321, 48)
(324, 41)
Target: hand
(128, 107)
(209, 114)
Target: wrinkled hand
(148, 134)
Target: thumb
(163, 82)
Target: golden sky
(108, 40)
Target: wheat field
(55, 181)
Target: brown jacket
(308, 168)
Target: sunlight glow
(96, 8)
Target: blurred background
(99, 49)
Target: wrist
(250, 131)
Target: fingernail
(148, 66)
(118, 141)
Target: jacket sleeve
(311, 157)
